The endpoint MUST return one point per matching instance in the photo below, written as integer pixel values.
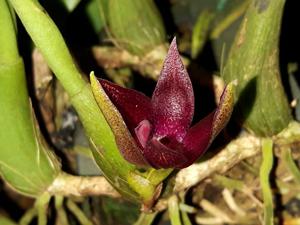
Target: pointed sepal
(126, 143)
(173, 98)
(224, 110)
(134, 106)
(201, 135)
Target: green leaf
(262, 106)
(94, 13)
(136, 25)
(200, 31)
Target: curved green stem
(61, 217)
(264, 176)
(28, 216)
(44, 35)
(185, 218)
(42, 205)
(290, 163)
(77, 212)
(174, 210)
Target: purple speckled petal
(200, 136)
(133, 105)
(173, 98)
(159, 155)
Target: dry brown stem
(236, 151)
(69, 185)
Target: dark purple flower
(159, 128)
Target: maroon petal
(159, 155)
(200, 136)
(173, 98)
(133, 105)
(198, 139)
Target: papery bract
(160, 126)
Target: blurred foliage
(6, 221)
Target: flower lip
(143, 132)
(161, 125)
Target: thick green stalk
(253, 63)
(25, 161)
(45, 34)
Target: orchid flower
(157, 131)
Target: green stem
(174, 210)
(290, 163)
(185, 218)
(264, 175)
(28, 216)
(77, 212)
(42, 207)
(44, 33)
(61, 213)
